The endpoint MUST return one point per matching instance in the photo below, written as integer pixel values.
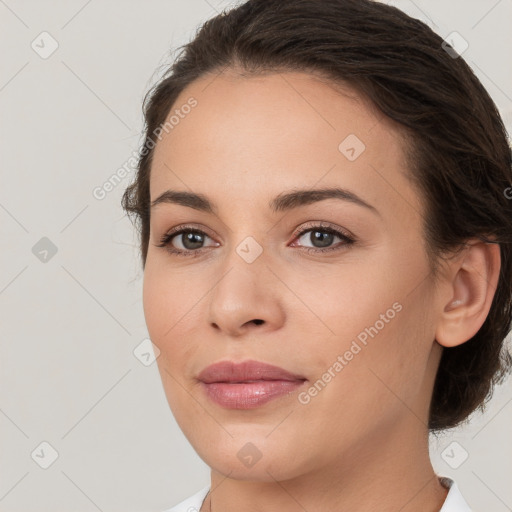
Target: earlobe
(470, 293)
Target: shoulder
(454, 501)
(192, 503)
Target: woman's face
(355, 320)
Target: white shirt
(454, 501)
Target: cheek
(388, 373)
(167, 296)
(163, 309)
(339, 303)
(371, 317)
(172, 312)
(374, 383)
(155, 304)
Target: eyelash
(166, 239)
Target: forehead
(259, 135)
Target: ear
(470, 291)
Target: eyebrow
(283, 202)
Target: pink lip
(248, 384)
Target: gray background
(71, 322)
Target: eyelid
(299, 231)
(322, 224)
(189, 227)
(346, 236)
(166, 239)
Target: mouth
(248, 384)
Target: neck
(392, 473)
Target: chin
(261, 459)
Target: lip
(245, 371)
(247, 384)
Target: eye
(189, 238)
(322, 237)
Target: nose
(246, 297)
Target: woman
(325, 236)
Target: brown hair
(459, 156)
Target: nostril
(258, 321)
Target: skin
(361, 443)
